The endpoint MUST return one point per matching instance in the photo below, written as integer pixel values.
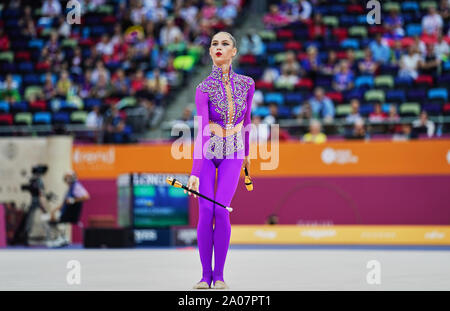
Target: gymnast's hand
(193, 184)
(246, 163)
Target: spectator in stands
(430, 63)
(442, 49)
(359, 130)
(51, 8)
(49, 89)
(406, 134)
(270, 74)
(303, 111)
(444, 10)
(311, 64)
(290, 64)
(94, 118)
(4, 40)
(64, 84)
(394, 25)
(315, 134)
(317, 30)
(396, 53)
(105, 47)
(343, 79)
(169, 32)
(409, 64)
(86, 85)
(380, 50)
(10, 90)
(272, 117)
(261, 134)
(100, 69)
(116, 131)
(287, 79)
(354, 114)
(227, 13)
(377, 115)
(158, 13)
(158, 83)
(432, 23)
(329, 68)
(64, 28)
(251, 43)
(351, 59)
(137, 12)
(321, 106)
(189, 12)
(393, 117)
(367, 66)
(302, 11)
(278, 134)
(138, 82)
(102, 88)
(424, 125)
(275, 18)
(120, 83)
(208, 12)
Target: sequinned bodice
(227, 103)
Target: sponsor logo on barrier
(145, 235)
(188, 236)
(264, 234)
(318, 234)
(434, 235)
(94, 158)
(378, 235)
(339, 156)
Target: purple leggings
(228, 172)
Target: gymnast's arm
(203, 132)
(247, 117)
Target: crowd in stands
(321, 60)
(125, 58)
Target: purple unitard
(225, 154)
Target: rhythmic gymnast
(223, 103)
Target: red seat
(6, 119)
(355, 8)
(248, 59)
(285, 34)
(23, 55)
(335, 96)
(263, 85)
(340, 33)
(293, 45)
(446, 109)
(38, 105)
(305, 83)
(424, 79)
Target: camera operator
(36, 189)
(70, 209)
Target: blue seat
(402, 82)
(42, 117)
(89, 103)
(275, 47)
(397, 96)
(284, 112)
(416, 95)
(261, 111)
(366, 109)
(410, 6)
(274, 98)
(36, 43)
(438, 93)
(21, 106)
(364, 81)
(26, 67)
(4, 107)
(413, 30)
(350, 43)
(31, 79)
(432, 109)
(347, 20)
(386, 107)
(355, 93)
(293, 99)
(61, 117)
